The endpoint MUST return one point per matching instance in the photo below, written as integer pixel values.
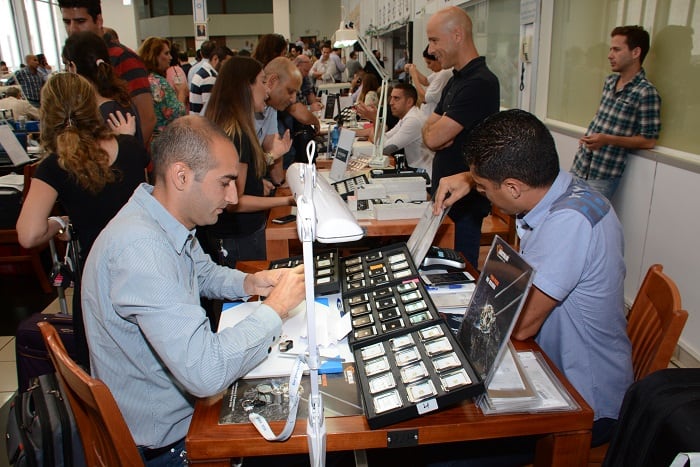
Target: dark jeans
(173, 457)
(468, 236)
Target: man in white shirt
(324, 68)
(19, 107)
(405, 136)
(429, 88)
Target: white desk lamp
(321, 215)
(346, 37)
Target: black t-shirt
(471, 95)
(90, 213)
(239, 224)
(109, 107)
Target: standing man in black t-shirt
(470, 96)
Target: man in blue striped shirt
(628, 116)
(150, 340)
(203, 78)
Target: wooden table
(564, 437)
(278, 236)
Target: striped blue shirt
(200, 88)
(149, 339)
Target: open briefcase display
(408, 361)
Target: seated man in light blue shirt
(570, 234)
(150, 341)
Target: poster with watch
(269, 397)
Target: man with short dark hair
(222, 53)
(352, 65)
(628, 115)
(86, 15)
(323, 70)
(202, 77)
(405, 136)
(30, 80)
(570, 234)
(150, 341)
(336, 56)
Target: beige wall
(307, 18)
(122, 19)
(314, 18)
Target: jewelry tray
(326, 270)
(421, 366)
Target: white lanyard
(260, 422)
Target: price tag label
(427, 406)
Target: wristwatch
(269, 158)
(60, 222)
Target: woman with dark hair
(91, 171)
(169, 102)
(86, 53)
(239, 92)
(175, 74)
(270, 46)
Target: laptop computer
(15, 154)
(423, 235)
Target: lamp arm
(373, 60)
(380, 121)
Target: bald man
(470, 96)
(306, 94)
(30, 80)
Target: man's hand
(593, 141)
(451, 189)
(284, 288)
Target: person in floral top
(169, 101)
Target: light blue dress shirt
(574, 241)
(150, 341)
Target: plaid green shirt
(634, 110)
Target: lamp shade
(344, 37)
(334, 221)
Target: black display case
(420, 366)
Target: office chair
(103, 431)
(11, 252)
(654, 326)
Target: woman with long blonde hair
(89, 171)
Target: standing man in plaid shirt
(628, 116)
(30, 80)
